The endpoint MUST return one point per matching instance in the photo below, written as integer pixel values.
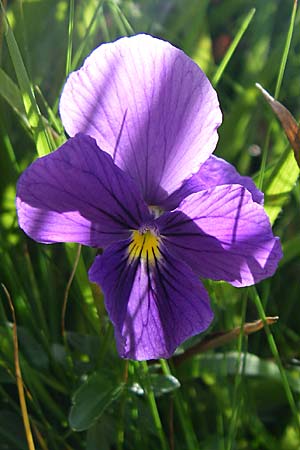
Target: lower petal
(154, 304)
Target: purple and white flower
(138, 179)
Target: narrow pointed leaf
(280, 182)
(281, 179)
(11, 93)
(287, 120)
(41, 136)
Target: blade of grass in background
(245, 23)
(19, 379)
(70, 37)
(279, 184)
(181, 410)
(98, 14)
(124, 26)
(11, 93)
(43, 139)
(9, 149)
(281, 181)
(276, 187)
(153, 406)
(256, 299)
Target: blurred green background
(79, 393)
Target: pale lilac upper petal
(153, 308)
(213, 172)
(77, 194)
(223, 235)
(149, 106)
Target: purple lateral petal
(223, 235)
(154, 308)
(77, 194)
(214, 172)
(149, 106)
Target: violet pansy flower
(138, 179)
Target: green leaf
(279, 184)
(163, 384)
(12, 431)
(250, 365)
(91, 400)
(32, 349)
(84, 343)
(244, 25)
(42, 137)
(160, 385)
(12, 94)
(5, 377)
(103, 431)
(291, 250)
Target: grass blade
(19, 379)
(280, 182)
(70, 37)
(232, 47)
(277, 89)
(11, 93)
(98, 12)
(272, 344)
(286, 50)
(42, 138)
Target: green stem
(181, 409)
(70, 38)
(10, 150)
(120, 423)
(286, 51)
(153, 407)
(264, 159)
(258, 303)
(98, 14)
(277, 90)
(35, 295)
(232, 47)
(122, 23)
(236, 404)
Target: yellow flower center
(145, 245)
